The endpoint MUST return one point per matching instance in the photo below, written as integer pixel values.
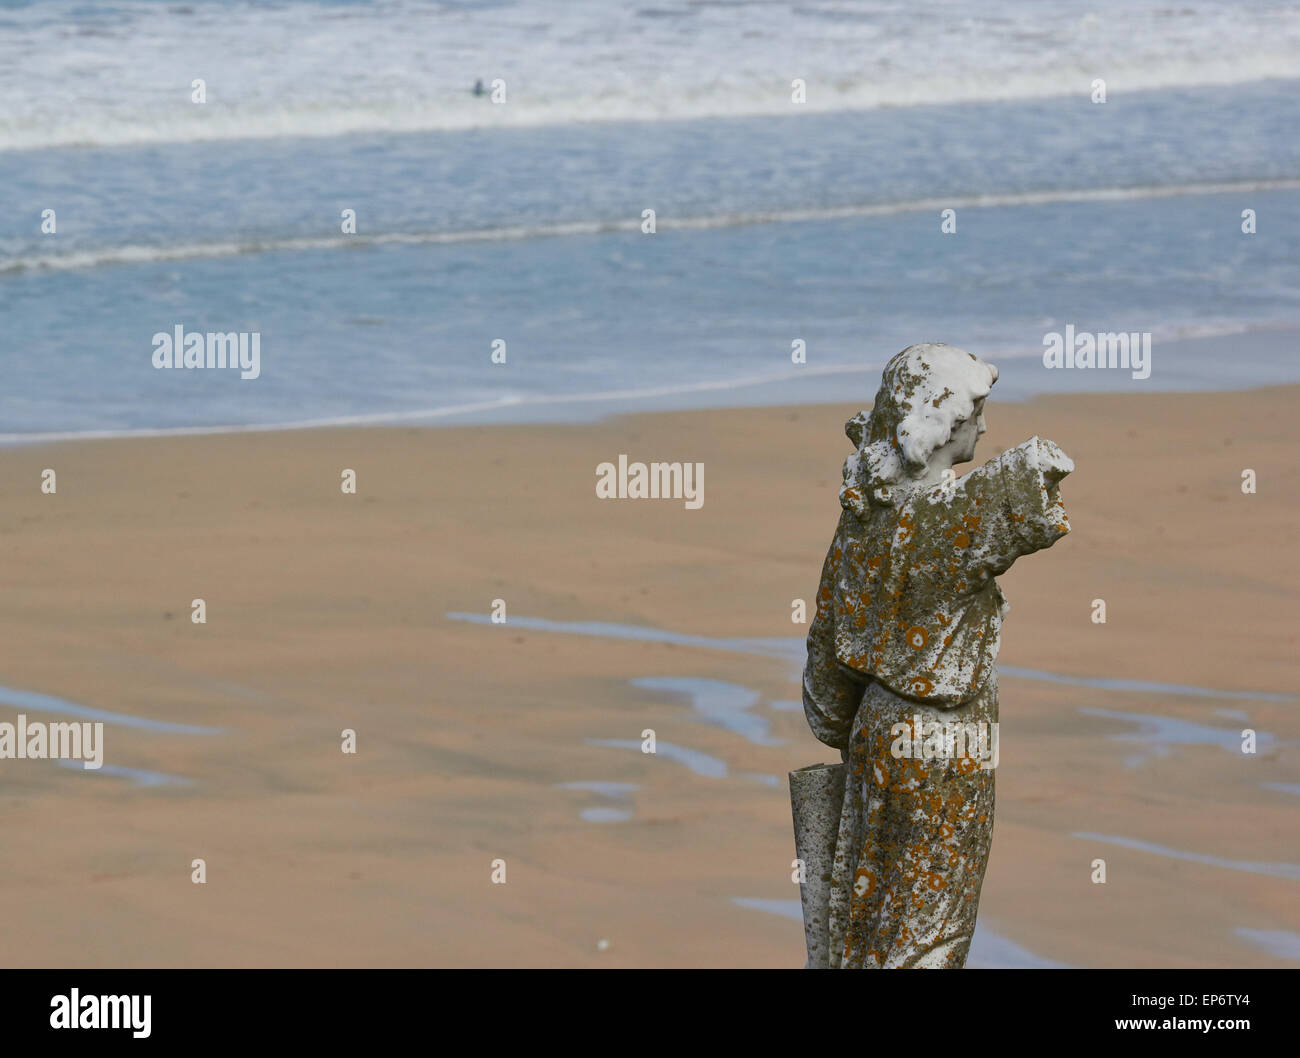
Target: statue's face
(966, 434)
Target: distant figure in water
(478, 87)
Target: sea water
(518, 225)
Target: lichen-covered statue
(900, 674)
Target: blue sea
(515, 216)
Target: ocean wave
(145, 254)
(73, 74)
(82, 126)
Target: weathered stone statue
(900, 674)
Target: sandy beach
(328, 611)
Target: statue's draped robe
(907, 625)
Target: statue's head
(931, 398)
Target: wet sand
(328, 611)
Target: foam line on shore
(144, 254)
(607, 401)
(392, 418)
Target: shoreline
(803, 387)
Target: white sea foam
(144, 254)
(317, 119)
(73, 74)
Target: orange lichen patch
(864, 882)
(961, 540)
(937, 881)
(920, 686)
(917, 637)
